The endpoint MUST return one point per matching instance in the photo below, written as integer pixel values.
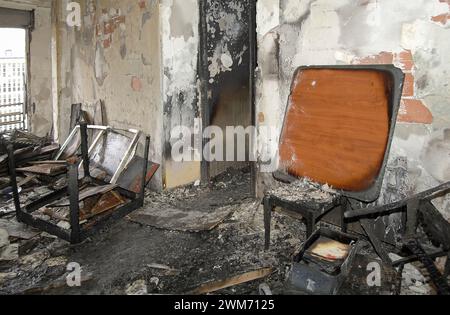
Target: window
(12, 78)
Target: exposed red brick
(405, 60)
(107, 43)
(415, 111)
(98, 30)
(136, 84)
(108, 28)
(409, 87)
(142, 4)
(382, 58)
(443, 18)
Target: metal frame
(418, 207)
(102, 130)
(77, 232)
(311, 212)
(204, 77)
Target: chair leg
(267, 221)
(344, 208)
(310, 225)
(447, 267)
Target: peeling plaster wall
(114, 56)
(411, 34)
(180, 45)
(40, 104)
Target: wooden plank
(107, 202)
(231, 282)
(48, 162)
(85, 194)
(26, 180)
(44, 169)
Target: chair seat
(303, 194)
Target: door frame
(203, 70)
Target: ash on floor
(132, 258)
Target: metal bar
(126, 158)
(204, 85)
(9, 123)
(415, 258)
(253, 62)
(412, 212)
(268, 208)
(13, 178)
(85, 150)
(67, 142)
(11, 114)
(74, 203)
(144, 175)
(96, 140)
(46, 200)
(387, 209)
(9, 105)
(45, 226)
(438, 279)
(366, 225)
(447, 266)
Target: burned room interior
(232, 148)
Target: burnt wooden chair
(337, 132)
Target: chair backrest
(339, 126)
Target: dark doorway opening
(227, 65)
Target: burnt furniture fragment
(78, 231)
(338, 131)
(110, 152)
(419, 211)
(324, 262)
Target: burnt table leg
(447, 267)
(398, 290)
(345, 206)
(74, 203)
(13, 179)
(85, 149)
(310, 225)
(267, 221)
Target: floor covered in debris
(142, 254)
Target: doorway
(227, 65)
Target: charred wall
(409, 34)
(228, 75)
